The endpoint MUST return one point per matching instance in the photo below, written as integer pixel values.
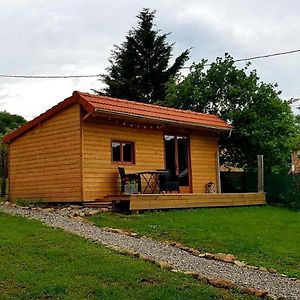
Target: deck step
(98, 204)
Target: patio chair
(126, 178)
(168, 183)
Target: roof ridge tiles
(148, 105)
(102, 102)
(92, 102)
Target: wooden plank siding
(45, 162)
(203, 160)
(67, 159)
(169, 201)
(100, 174)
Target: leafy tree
(139, 66)
(8, 122)
(263, 123)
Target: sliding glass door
(177, 157)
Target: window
(122, 152)
(177, 157)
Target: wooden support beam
(218, 171)
(260, 173)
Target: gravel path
(178, 259)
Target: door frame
(188, 188)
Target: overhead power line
(98, 75)
(48, 76)
(258, 57)
(268, 55)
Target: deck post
(218, 171)
(260, 173)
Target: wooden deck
(167, 201)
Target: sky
(75, 37)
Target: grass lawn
(263, 236)
(37, 262)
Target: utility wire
(257, 57)
(98, 75)
(268, 55)
(48, 76)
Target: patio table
(150, 176)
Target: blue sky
(44, 37)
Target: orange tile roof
(107, 105)
(103, 103)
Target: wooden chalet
(71, 153)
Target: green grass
(37, 262)
(263, 236)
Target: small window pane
(182, 145)
(170, 154)
(116, 151)
(127, 152)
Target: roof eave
(162, 121)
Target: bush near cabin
(292, 199)
(8, 123)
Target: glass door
(177, 158)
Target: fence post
(260, 173)
(218, 172)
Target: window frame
(121, 161)
(177, 134)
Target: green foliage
(257, 235)
(139, 66)
(292, 198)
(263, 123)
(9, 122)
(37, 262)
(26, 203)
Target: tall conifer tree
(139, 67)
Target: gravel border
(218, 273)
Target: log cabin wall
(66, 159)
(100, 174)
(204, 147)
(44, 162)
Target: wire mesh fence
(280, 189)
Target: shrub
(26, 203)
(292, 198)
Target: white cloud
(75, 37)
